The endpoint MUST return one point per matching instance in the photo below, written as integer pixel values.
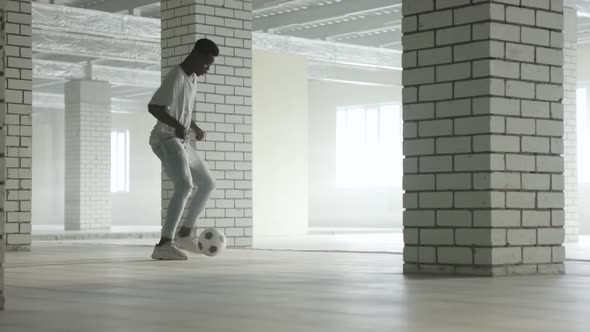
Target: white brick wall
(18, 129)
(2, 153)
(483, 121)
(88, 155)
(224, 106)
(570, 135)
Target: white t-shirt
(177, 93)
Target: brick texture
(570, 136)
(223, 109)
(483, 195)
(2, 151)
(88, 155)
(17, 124)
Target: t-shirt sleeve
(169, 91)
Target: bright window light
(369, 146)
(120, 161)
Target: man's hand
(181, 132)
(199, 133)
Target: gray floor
(90, 287)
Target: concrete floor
(115, 288)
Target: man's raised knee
(185, 187)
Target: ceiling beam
(372, 38)
(59, 70)
(95, 23)
(329, 28)
(95, 47)
(328, 52)
(113, 6)
(291, 12)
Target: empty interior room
(289, 165)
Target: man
(173, 105)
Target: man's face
(203, 63)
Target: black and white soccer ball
(211, 242)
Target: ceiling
(372, 23)
(375, 23)
(367, 22)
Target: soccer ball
(211, 242)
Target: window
(369, 146)
(120, 161)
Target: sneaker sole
(169, 259)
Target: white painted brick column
(18, 125)
(224, 105)
(88, 155)
(483, 137)
(570, 36)
(2, 154)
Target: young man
(173, 105)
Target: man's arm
(159, 112)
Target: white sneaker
(188, 243)
(169, 251)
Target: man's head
(202, 56)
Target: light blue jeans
(186, 170)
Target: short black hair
(206, 46)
